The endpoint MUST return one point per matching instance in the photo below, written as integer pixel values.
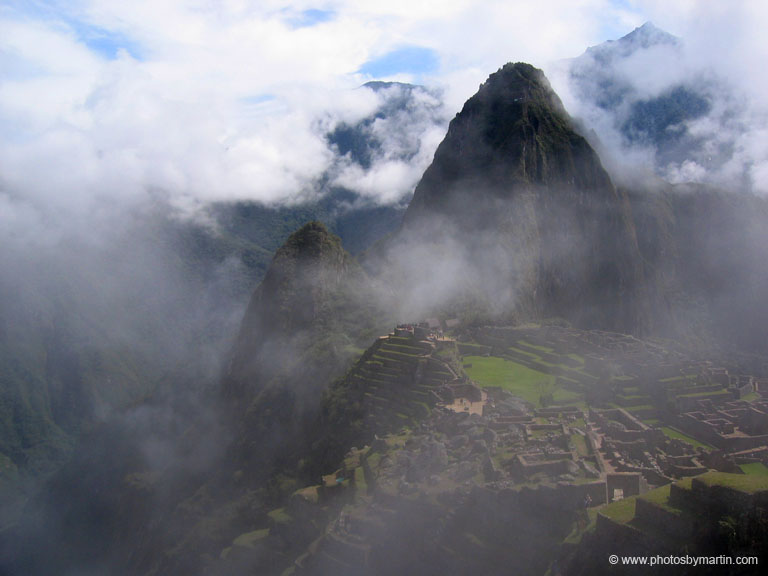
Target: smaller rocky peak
(310, 242)
(649, 35)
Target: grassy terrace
(537, 347)
(249, 539)
(685, 483)
(403, 349)
(524, 382)
(520, 380)
(679, 379)
(660, 497)
(361, 486)
(756, 468)
(675, 433)
(280, 516)
(716, 394)
(622, 511)
(749, 483)
(639, 409)
(580, 444)
(384, 353)
(530, 354)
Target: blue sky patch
(106, 43)
(310, 17)
(257, 99)
(407, 60)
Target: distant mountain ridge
(684, 114)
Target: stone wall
(628, 483)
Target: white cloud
(721, 54)
(218, 100)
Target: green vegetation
(528, 353)
(756, 468)
(716, 394)
(679, 379)
(660, 497)
(361, 486)
(373, 459)
(676, 434)
(280, 516)
(749, 483)
(585, 524)
(472, 348)
(639, 409)
(622, 511)
(518, 379)
(249, 539)
(685, 483)
(535, 346)
(580, 444)
(309, 494)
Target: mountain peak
(514, 133)
(513, 182)
(377, 85)
(306, 293)
(649, 35)
(641, 38)
(519, 82)
(310, 241)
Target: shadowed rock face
(529, 203)
(297, 335)
(292, 299)
(704, 256)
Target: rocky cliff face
(520, 204)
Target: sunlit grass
(520, 380)
(756, 468)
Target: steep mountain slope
(88, 328)
(517, 211)
(303, 327)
